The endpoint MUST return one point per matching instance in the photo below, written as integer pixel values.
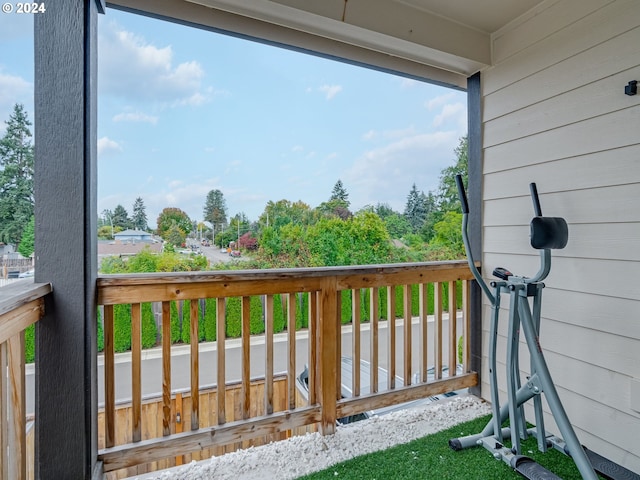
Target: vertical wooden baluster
(313, 339)
(194, 320)
(4, 414)
(109, 378)
(466, 322)
(355, 339)
(220, 346)
(407, 334)
(268, 346)
(453, 328)
(391, 332)
(166, 368)
(136, 377)
(375, 316)
(338, 346)
(437, 329)
(291, 340)
(328, 338)
(17, 425)
(179, 423)
(246, 358)
(424, 331)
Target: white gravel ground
(297, 456)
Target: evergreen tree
(139, 218)
(16, 177)
(340, 194)
(120, 217)
(215, 209)
(415, 211)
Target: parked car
(235, 253)
(302, 384)
(27, 274)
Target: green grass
(431, 458)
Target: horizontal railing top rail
(116, 289)
(20, 306)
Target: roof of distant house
(125, 249)
(130, 232)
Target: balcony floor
(297, 456)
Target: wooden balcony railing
(21, 305)
(383, 291)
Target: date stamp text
(26, 7)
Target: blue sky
(183, 111)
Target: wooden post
(65, 184)
(327, 355)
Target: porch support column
(474, 116)
(65, 44)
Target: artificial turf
(431, 458)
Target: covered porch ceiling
(441, 41)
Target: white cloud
(330, 91)
(14, 89)
(440, 101)
(135, 117)
(453, 111)
(107, 146)
(135, 69)
(409, 83)
(386, 174)
(370, 135)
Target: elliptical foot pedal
(529, 468)
(609, 469)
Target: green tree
(120, 217)
(175, 235)
(139, 218)
(447, 190)
(28, 235)
(446, 200)
(383, 210)
(16, 177)
(397, 225)
(283, 212)
(170, 216)
(415, 210)
(448, 235)
(340, 194)
(215, 209)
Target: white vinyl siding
(555, 113)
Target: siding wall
(555, 113)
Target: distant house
(6, 249)
(133, 236)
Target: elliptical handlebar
(545, 252)
(465, 239)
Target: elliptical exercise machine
(546, 233)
